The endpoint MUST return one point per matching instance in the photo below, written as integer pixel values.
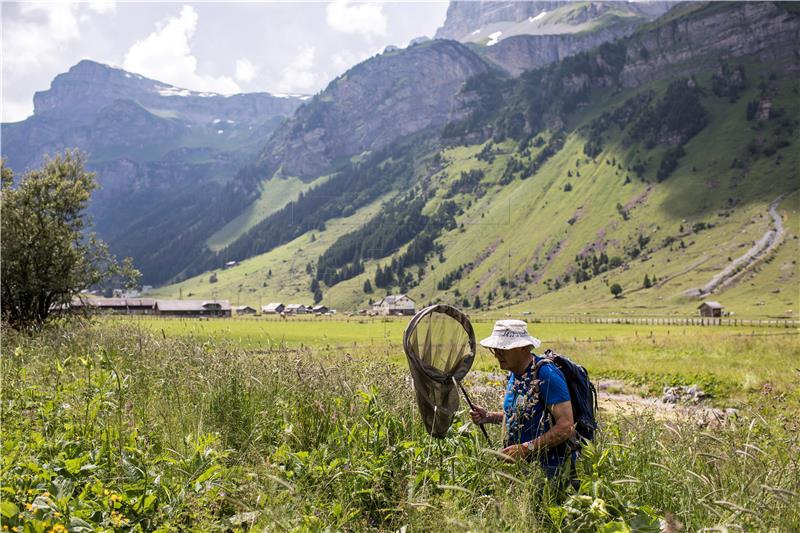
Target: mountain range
(528, 157)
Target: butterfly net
(440, 346)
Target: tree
(477, 303)
(48, 258)
(317, 295)
(367, 287)
(616, 290)
(647, 283)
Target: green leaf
(208, 474)
(616, 526)
(73, 466)
(8, 509)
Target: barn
(193, 308)
(394, 304)
(710, 309)
(273, 308)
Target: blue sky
(278, 47)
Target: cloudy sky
(279, 47)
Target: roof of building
(713, 305)
(243, 308)
(393, 298)
(114, 302)
(296, 306)
(319, 307)
(191, 305)
(273, 306)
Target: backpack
(582, 392)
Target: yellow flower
(58, 528)
(29, 506)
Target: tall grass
(120, 428)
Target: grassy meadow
(236, 425)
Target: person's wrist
(530, 447)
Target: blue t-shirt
(526, 418)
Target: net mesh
(440, 346)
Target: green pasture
(730, 362)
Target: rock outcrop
(395, 94)
(715, 31)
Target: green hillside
(577, 182)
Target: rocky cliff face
(521, 36)
(526, 52)
(713, 32)
(465, 17)
(476, 21)
(395, 94)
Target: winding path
(765, 245)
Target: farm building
(192, 308)
(244, 310)
(394, 304)
(319, 309)
(272, 308)
(710, 309)
(126, 306)
(296, 309)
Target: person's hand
(515, 452)
(479, 415)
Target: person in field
(537, 412)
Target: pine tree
(477, 303)
(367, 287)
(647, 283)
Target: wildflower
(58, 528)
(29, 506)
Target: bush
(616, 289)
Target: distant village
(390, 305)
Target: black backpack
(582, 393)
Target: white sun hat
(509, 334)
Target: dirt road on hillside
(763, 247)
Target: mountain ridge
(608, 181)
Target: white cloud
(357, 18)
(245, 71)
(299, 75)
(102, 6)
(14, 111)
(166, 55)
(41, 29)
